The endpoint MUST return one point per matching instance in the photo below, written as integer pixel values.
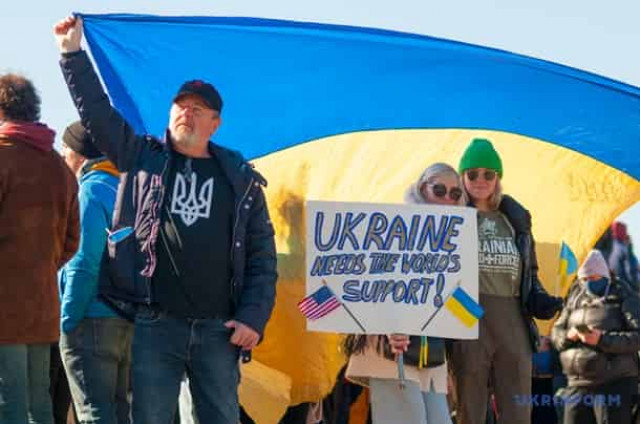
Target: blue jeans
(167, 347)
(24, 384)
(97, 360)
(390, 405)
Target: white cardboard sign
(390, 268)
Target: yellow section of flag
(360, 167)
(461, 313)
(264, 393)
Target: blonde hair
(437, 170)
(496, 197)
(494, 200)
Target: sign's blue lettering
(382, 233)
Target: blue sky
(591, 35)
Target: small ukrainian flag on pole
(568, 265)
(463, 307)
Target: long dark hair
(355, 344)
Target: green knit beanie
(480, 154)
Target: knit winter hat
(480, 154)
(78, 140)
(594, 265)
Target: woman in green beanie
(510, 294)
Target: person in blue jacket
(95, 343)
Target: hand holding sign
(398, 342)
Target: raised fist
(68, 33)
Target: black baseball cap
(203, 89)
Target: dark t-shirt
(192, 278)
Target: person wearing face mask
(371, 360)
(510, 294)
(598, 336)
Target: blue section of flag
(322, 295)
(285, 83)
(468, 303)
(567, 255)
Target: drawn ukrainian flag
(463, 307)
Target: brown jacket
(38, 233)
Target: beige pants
(499, 360)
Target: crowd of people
(141, 271)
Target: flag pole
(324, 283)
(438, 310)
(559, 273)
(400, 359)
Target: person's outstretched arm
(112, 135)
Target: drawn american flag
(319, 303)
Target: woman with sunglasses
(423, 399)
(510, 294)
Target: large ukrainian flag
(344, 113)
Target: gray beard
(185, 139)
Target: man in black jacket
(191, 246)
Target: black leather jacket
(618, 317)
(535, 302)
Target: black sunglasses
(488, 175)
(440, 190)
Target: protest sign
(391, 268)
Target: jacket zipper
(584, 316)
(525, 279)
(235, 225)
(166, 243)
(162, 234)
(166, 246)
(173, 225)
(233, 238)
